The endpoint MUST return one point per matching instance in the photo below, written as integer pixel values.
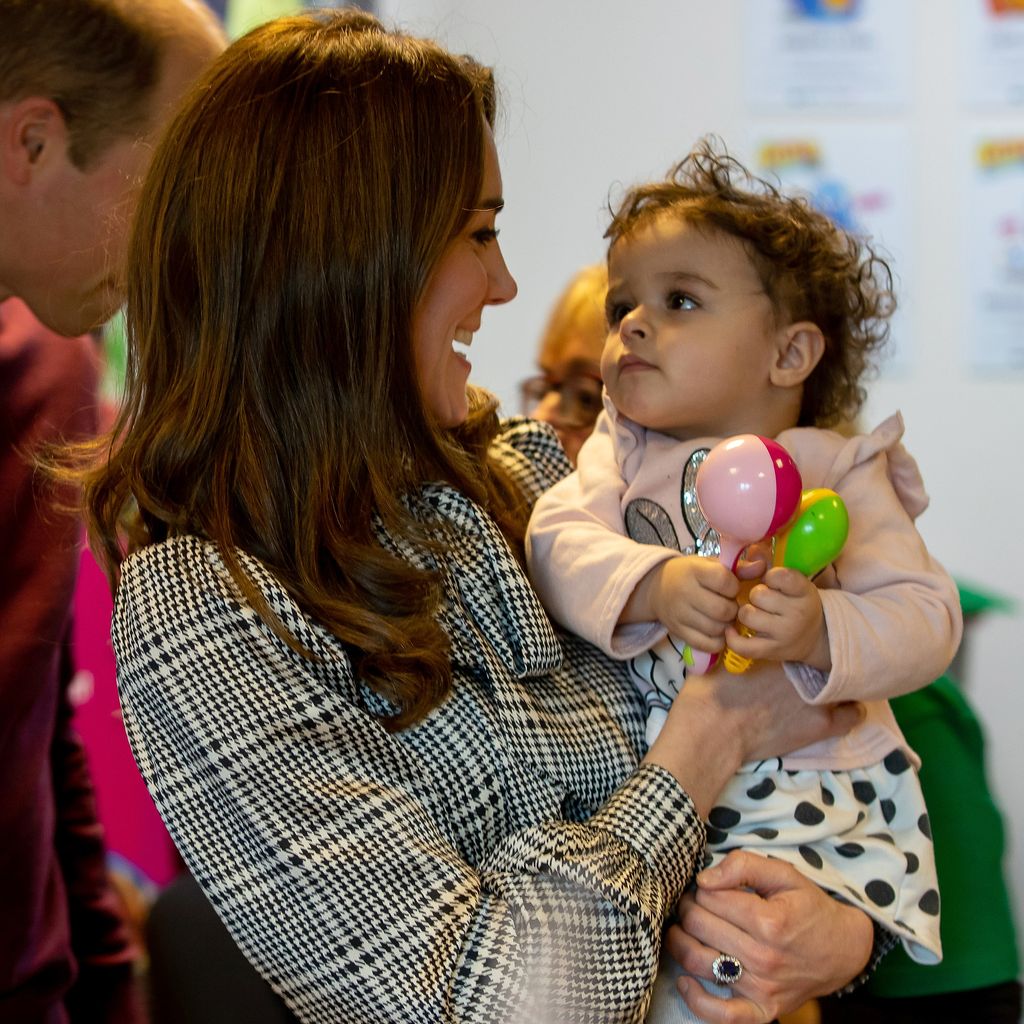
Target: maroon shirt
(54, 890)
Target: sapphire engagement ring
(726, 969)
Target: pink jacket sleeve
(580, 560)
(892, 611)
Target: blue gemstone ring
(727, 969)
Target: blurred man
(85, 88)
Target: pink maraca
(748, 488)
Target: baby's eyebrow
(687, 275)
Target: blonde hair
(579, 310)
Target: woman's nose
(549, 408)
(503, 284)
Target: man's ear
(800, 348)
(32, 132)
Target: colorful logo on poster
(826, 10)
(800, 165)
(789, 154)
(1003, 7)
(1000, 154)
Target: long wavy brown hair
(811, 268)
(291, 219)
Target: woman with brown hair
(407, 795)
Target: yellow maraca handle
(735, 663)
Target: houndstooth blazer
(504, 859)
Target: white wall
(597, 92)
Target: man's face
(73, 225)
(73, 277)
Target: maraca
(748, 488)
(808, 544)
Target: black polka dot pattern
(896, 763)
(807, 814)
(762, 790)
(724, 818)
(850, 850)
(929, 903)
(858, 834)
(864, 792)
(880, 893)
(810, 855)
(925, 826)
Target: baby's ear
(800, 348)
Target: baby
(735, 309)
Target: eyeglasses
(579, 396)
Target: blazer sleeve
(327, 846)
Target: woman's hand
(719, 721)
(794, 941)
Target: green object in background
(974, 600)
(978, 941)
(115, 355)
(242, 15)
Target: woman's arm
(360, 874)
(718, 722)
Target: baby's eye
(615, 311)
(680, 300)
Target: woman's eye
(680, 300)
(484, 236)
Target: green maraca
(813, 538)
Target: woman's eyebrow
(495, 205)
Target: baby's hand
(786, 615)
(694, 598)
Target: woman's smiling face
(471, 274)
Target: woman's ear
(800, 348)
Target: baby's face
(691, 336)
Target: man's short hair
(98, 60)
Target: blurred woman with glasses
(567, 391)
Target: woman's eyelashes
(484, 236)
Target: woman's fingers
(794, 940)
(697, 958)
(738, 1010)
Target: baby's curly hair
(810, 268)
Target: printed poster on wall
(860, 177)
(840, 54)
(993, 47)
(994, 252)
